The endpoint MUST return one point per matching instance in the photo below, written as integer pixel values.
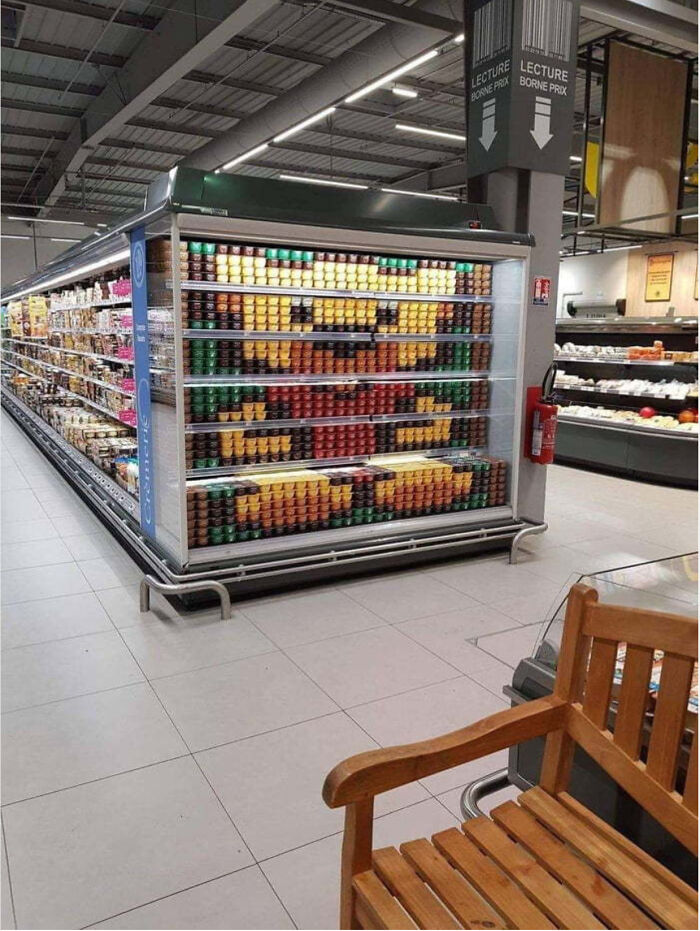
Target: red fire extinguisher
(544, 421)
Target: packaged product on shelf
(14, 315)
(273, 504)
(38, 317)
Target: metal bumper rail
(167, 579)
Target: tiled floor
(164, 770)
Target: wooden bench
(544, 861)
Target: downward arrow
(543, 116)
(488, 123)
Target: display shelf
(194, 381)
(25, 372)
(195, 475)
(656, 362)
(120, 331)
(74, 352)
(120, 496)
(329, 292)
(389, 530)
(330, 421)
(267, 335)
(57, 368)
(623, 427)
(113, 302)
(641, 395)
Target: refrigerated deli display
(319, 382)
(628, 396)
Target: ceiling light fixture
(393, 190)
(380, 82)
(404, 92)
(304, 123)
(42, 220)
(430, 132)
(575, 158)
(60, 239)
(325, 181)
(620, 248)
(459, 39)
(689, 216)
(116, 258)
(14, 236)
(574, 213)
(241, 158)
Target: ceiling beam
(93, 11)
(369, 59)
(28, 153)
(659, 20)
(166, 126)
(125, 163)
(33, 106)
(171, 103)
(161, 58)
(357, 155)
(113, 143)
(35, 132)
(394, 13)
(362, 178)
(48, 49)
(35, 80)
(219, 80)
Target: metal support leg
(517, 539)
(475, 791)
(181, 588)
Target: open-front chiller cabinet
(322, 378)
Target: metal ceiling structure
(102, 95)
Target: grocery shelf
(119, 495)
(363, 533)
(588, 360)
(112, 302)
(73, 352)
(638, 395)
(194, 475)
(623, 427)
(58, 368)
(291, 379)
(123, 331)
(330, 421)
(328, 292)
(291, 335)
(25, 372)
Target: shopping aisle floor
(164, 770)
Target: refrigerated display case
(611, 370)
(323, 381)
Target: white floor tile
(75, 524)
(534, 607)
(7, 918)
(513, 646)
(21, 531)
(162, 650)
(111, 572)
(314, 902)
(401, 596)
(52, 619)
(290, 764)
(37, 553)
(222, 703)
(12, 478)
(92, 545)
(21, 505)
(308, 616)
(85, 854)
(65, 743)
(448, 635)
(122, 606)
(42, 582)
(427, 713)
(240, 900)
(358, 668)
(44, 672)
(488, 580)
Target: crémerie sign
(520, 58)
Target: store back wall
(592, 278)
(683, 281)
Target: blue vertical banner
(142, 377)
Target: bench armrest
(367, 774)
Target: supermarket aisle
(164, 771)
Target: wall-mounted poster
(659, 276)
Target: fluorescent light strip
(620, 248)
(325, 181)
(41, 220)
(430, 132)
(75, 274)
(56, 239)
(404, 92)
(13, 236)
(304, 123)
(574, 213)
(242, 158)
(459, 39)
(575, 158)
(380, 82)
(393, 190)
(689, 216)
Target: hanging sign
(521, 75)
(142, 377)
(659, 277)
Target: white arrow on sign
(488, 123)
(543, 117)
